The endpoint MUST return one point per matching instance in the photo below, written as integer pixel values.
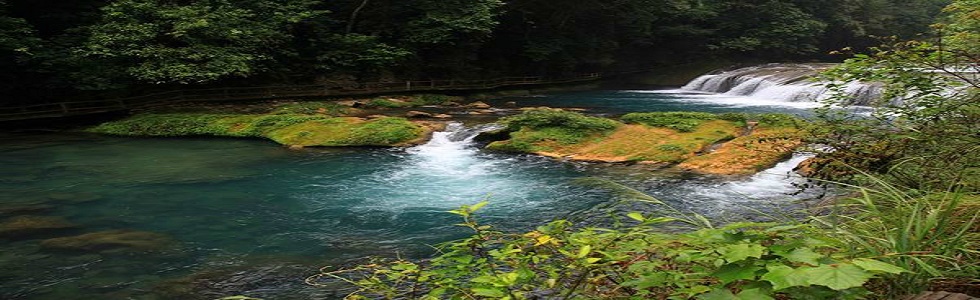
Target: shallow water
(250, 217)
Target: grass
(286, 129)
(933, 235)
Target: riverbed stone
(478, 104)
(442, 116)
(418, 114)
(111, 241)
(21, 226)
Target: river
(248, 217)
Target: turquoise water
(250, 217)
(625, 101)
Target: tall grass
(933, 235)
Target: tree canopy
(51, 48)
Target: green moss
(287, 129)
(680, 121)
(312, 108)
(433, 99)
(546, 117)
(385, 103)
(542, 129)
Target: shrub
(557, 260)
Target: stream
(249, 217)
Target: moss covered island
(723, 144)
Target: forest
(50, 49)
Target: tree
(159, 41)
(924, 134)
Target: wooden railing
(61, 109)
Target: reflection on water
(250, 217)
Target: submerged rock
(22, 208)
(111, 241)
(32, 225)
(74, 197)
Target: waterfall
(451, 151)
(781, 82)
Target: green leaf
(636, 216)
(739, 252)
(718, 294)
(754, 294)
(489, 292)
(837, 277)
(478, 206)
(732, 272)
(725, 294)
(804, 255)
(878, 266)
(584, 251)
(783, 277)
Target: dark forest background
(51, 50)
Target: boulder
(372, 117)
(418, 114)
(479, 105)
(510, 104)
(442, 116)
(110, 241)
(31, 225)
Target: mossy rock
(286, 129)
(658, 138)
(111, 241)
(22, 226)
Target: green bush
(561, 261)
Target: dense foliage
(856, 258)
(109, 47)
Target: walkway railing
(62, 109)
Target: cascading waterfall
(780, 82)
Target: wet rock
(32, 225)
(111, 241)
(351, 103)
(510, 104)
(442, 116)
(479, 105)
(24, 208)
(450, 104)
(418, 114)
(296, 147)
(371, 117)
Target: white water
(786, 83)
